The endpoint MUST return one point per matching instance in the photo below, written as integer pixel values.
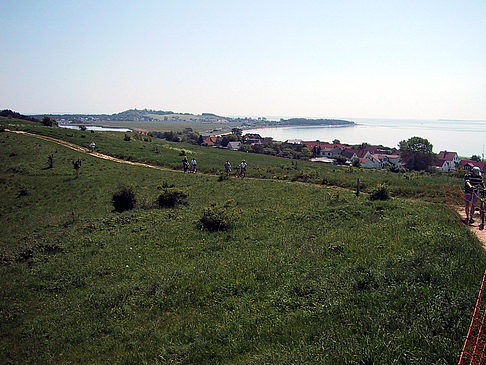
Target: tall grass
(305, 274)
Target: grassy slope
(411, 185)
(307, 274)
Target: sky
(414, 59)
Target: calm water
(467, 138)
(96, 128)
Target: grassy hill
(415, 185)
(307, 273)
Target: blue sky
(384, 59)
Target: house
(253, 138)
(383, 157)
(442, 164)
(211, 141)
(330, 152)
(451, 157)
(371, 162)
(469, 164)
(349, 154)
(234, 146)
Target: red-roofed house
(451, 158)
(211, 141)
(469, 164)
(371, 162)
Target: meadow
(413, 185)
(307, 273)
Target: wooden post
(357, 187)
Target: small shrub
(216, 219)
(82, 127)
(171, 197)
(223, 177)
(127, 138)
(182, 153)
(380, 193)
(50, 161)
(124, 199)
(23, 192)
(77, 166)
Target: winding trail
(474, 228)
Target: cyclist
(472, 181)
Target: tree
(336, 141)
(340, 160)
(476, 158)
(48, 121)
(416, 153)
(237, 131)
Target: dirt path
(474, 228)
(78, 148)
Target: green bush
(216, 219)
(380, 193)
(124, 199)
(171, 197)
(223, 177)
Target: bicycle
(482, 206)
(241, 172)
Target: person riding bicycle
(472, 181)
(193, 165)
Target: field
(414, 185)
(306, 274)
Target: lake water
(96, 128)
(467, 138)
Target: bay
(96, 128)
(467, 138)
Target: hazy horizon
(380, 59)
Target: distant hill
(304, 121)
(7, 113)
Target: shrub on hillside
(380, 193)
(124, 199)
(216, 218)
(223, 177)
(127, 138)
(171, 197)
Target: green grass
(307, 274)
(415, 185)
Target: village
(364, 155)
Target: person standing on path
(185, 164)
(193, 165)
(472, 181)
(243, 168)
(227, 167)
